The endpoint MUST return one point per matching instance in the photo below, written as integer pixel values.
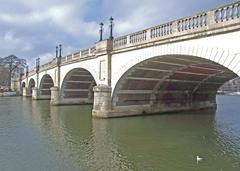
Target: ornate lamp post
(56, 51)
(111, 27)
(37, 64)
(27, 70)
(60, 50)
(101, 31)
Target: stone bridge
(177, 66)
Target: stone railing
(48, 65)
(228, 12)
(213, 19)
(68, 58)
(193, 22)
(161, 30)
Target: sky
(33, 28)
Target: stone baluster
(193, 22)
(185, 24)
(128, 39)
(200, 20)
(216, 15)
(225, 15)
(171, 28)
(145, 35)
(182, 25)
(237, 10)
(178, 25)
(167, 29)
(189, 23)
(153, 33)
(231, 12)
(204, 19)
(197, 21)
(221, 14)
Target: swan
(199, 159)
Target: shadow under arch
(23, 85)
(170, 83)
(77, 87)
(31, 85)
(45, 86)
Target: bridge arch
(170, 82)
(45, 86)
(77, 87)
(31, 85)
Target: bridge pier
(26, 92)
(35, 93)
(102, 106)
(55, 97)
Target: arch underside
(45, 87)
(170, 83)
(77, 87)
(31, 85)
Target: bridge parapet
(48, 65)
(215, 19)
(227, 12)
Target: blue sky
(32, 28)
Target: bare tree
(14, 65)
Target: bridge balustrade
(200, 22)
(161, 30)
(192, 22)
(228, 12)
(138, 37)
(120, 41)
(76, 55)
(85, 53)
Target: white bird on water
(199, 159)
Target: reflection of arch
(78, 85)
(170, 83)
(45, 85)
(31, 85)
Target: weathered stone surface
(102, 101)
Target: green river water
(37, 136)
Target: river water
(37, 136)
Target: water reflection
(72, 140)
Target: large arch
(77, 87)
(170, 83)
(31, 84)
(45, 86)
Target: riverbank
(8, 94)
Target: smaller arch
(45, 86)
(31, 85)
(77, 87)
